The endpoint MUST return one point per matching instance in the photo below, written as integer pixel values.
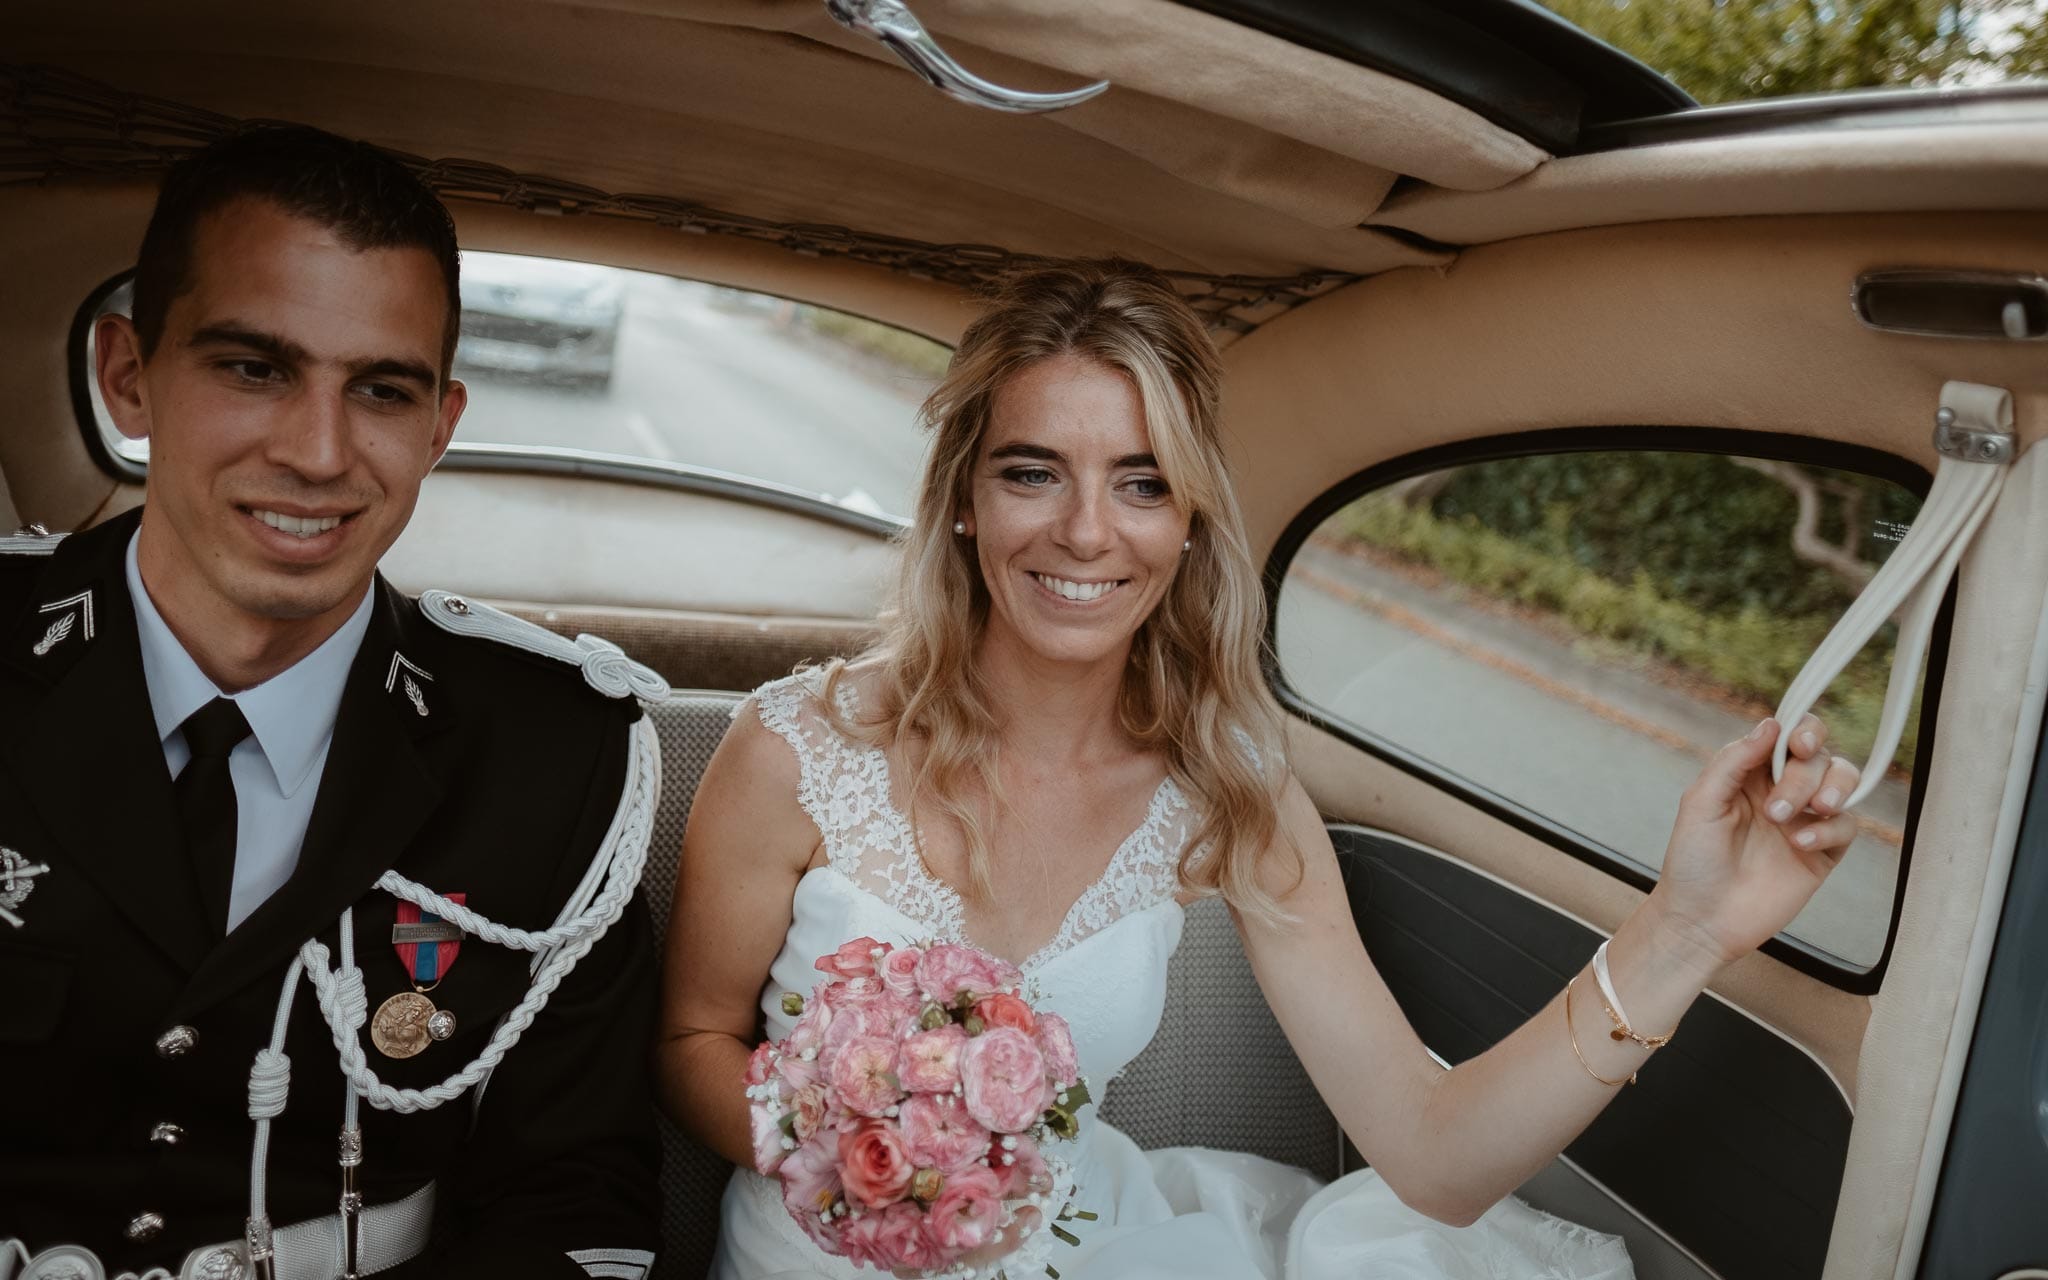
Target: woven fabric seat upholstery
(1219, 1073)
(691, 724)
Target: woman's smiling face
(1076, 531)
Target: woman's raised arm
(747, 844)
(1745, 855)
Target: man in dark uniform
(222, 727)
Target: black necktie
(206, 804)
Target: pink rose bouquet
(908, 1112)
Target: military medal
(427, 945)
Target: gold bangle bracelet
(1573, 1033)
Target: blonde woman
(1062, 739)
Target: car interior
(1430, 240)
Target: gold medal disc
(399, 1027)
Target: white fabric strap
(604, 665)
(1606, 981)
(1916, 577)
(311, 1250)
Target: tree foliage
(1706, 530)
(1731, 50)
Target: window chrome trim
(556, 460)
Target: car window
(1577, 633)
(588, 359)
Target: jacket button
(176, 1043)
(167, 1134)
(144, 1227)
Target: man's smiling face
(293, 405)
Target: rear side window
(1576, 633)
(574, 359)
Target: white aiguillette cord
(344, 1003)
(1973, 433)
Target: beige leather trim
(697, 650)
(1839, 170)
(560, 540)
(1349, 784)
(1920, 1021)
(1723, 323)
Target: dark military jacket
(499, 783)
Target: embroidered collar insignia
(402, 675)
(72, 611)
(17, 881)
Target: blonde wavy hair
(1193, 689)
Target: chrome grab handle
(897, 29)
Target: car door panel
(1733, 1139)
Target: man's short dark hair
(367, 197)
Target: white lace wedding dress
(1185, 1213)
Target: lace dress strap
(844, 786)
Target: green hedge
(1748, 651)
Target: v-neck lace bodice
(846, 788)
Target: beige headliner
(1220, 149)
(1737, 323)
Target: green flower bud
(793, 1004)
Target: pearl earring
(1189, 545)
(960, 526)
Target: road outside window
(573, 355)
(1577, 633)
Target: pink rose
(967, 1213)
(1004, 1075)
(930, 1060)
(797, 1074)
(899, 972)
(847, 992)
(809, 1031)
(863, 1075)
(811, 1108)
(1025, 1173)
(1004, 1010)
(1056, 1042)
(939, 1133)
(767, 1134)
(873, 1165)
(949, 973)
(810, 1185)
(758, 1064)
(881, 1015)
(854, 959)
(889, 1239)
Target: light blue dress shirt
(277, 768)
